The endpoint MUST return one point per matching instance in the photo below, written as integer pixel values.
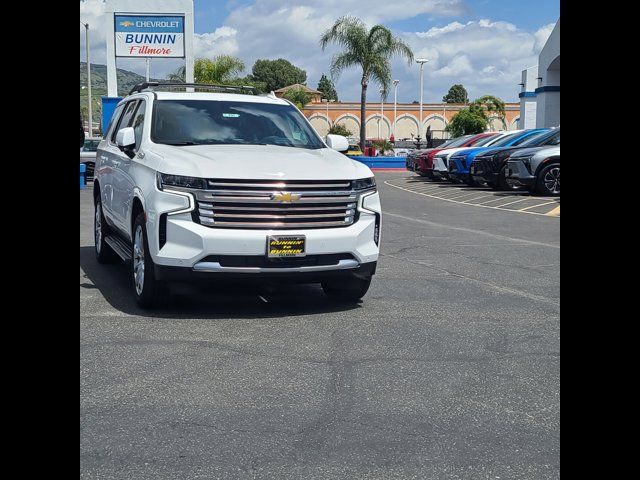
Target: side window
(138, 122)
(125, 120)
(114, 121)
(555, 140)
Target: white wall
(548, 108)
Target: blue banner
(149, 24)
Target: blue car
(460, 162)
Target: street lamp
(381, 110)
(395, 105)
(327, 101)
(421, 61)
(86, 27)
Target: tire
(149, 292)
(104, 253)
(548, 180)
(346, 290)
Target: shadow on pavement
(220, 301)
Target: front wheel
(346, 290)
(548, 181)
(149, 292)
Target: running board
(122, 248)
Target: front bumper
(175, 240)
(298, 275)
(440, 170)
(518, 175)
(482, 172)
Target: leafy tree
(327, 88)
(383, 146)
(467, 121)
(337, 129)
(222, 69)
(277, 73)
(491, 104)
(369, 49)
(457, 94)
(299, 96)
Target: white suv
(201, 186)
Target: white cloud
(221, 41)
(542, 35)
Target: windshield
(90, 145)
(539, 139)
(506, 139)
(447, 143)
(458, 141)
(206, 122)
(484, 140)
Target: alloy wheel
(138, 260)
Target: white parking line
(481, 205)
(515, 201)
(534, 206)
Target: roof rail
(172, 86)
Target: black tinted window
(138, 122)
(125, 120)
(204, 122)
(115, 118)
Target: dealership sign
(149, 36)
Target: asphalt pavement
(449, 368)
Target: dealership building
(540, 95)
(379, 121)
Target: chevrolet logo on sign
(285, 197)
(127, 23)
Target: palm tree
(222, 69)
(370, 49)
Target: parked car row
(88, 156)
(501, 160)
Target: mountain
(126, 79)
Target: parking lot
(448, 369)
(516, 201)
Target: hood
(546, 150)
(258, 162)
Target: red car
(424, 162)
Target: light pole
(86, 29)
(421, 61)
(381, 110)
(395, 105)
(327, 100)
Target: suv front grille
(269, 204)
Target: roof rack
(172, 86)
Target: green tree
(369, 49)
(327, 88)
(468, 121)
(222, 69)
(277, 73)
(299, 96)
(337, 129)
(457, 94)
(491, 104)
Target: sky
(482, 44)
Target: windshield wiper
(180, 144)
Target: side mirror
(338, 142)
(126, 140)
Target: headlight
(526, 159)
(363, 184)
(166, 180)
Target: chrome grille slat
(249, 204)
(275, 225)
(281, 185)
(287, 215)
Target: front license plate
(286, 246)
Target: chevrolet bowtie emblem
(285, 197)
